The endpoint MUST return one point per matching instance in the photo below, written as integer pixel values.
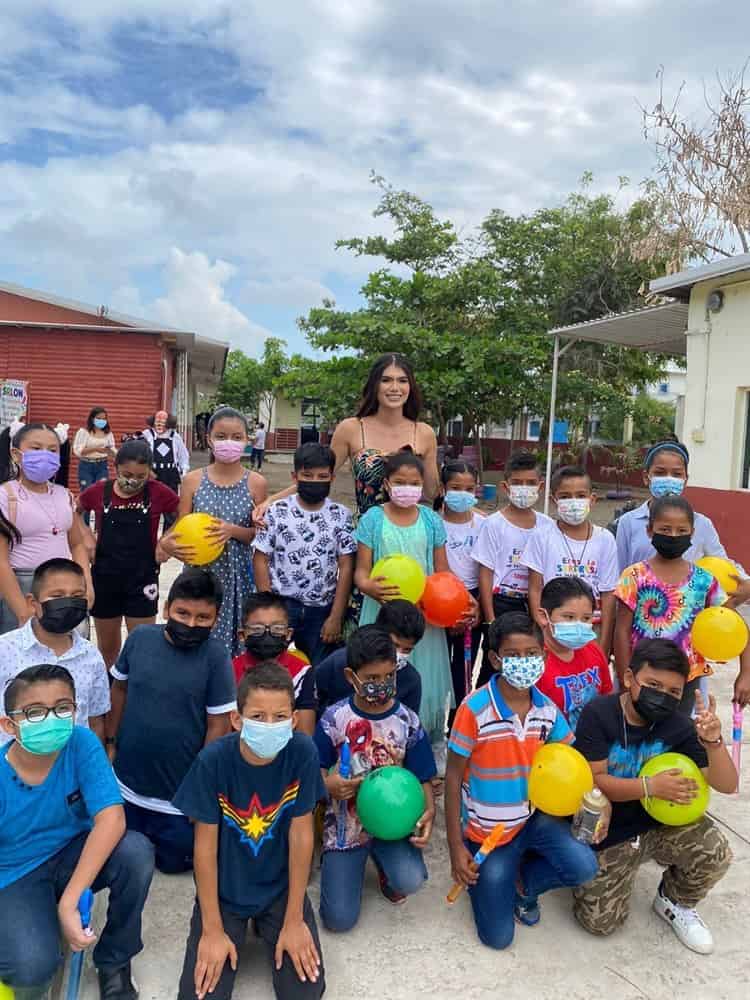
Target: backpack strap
(12, 504)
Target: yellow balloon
(403, 572)
(719, 634)
(722, 569)
(191, 531)
(6, 993)
(559, 778)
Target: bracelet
(712, 743)
(646, 788)
(109, 741)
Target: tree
(273, 365)
(252, 385)
(652, 420)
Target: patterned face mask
(522, 671)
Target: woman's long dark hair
(369, 403)
(92, 414)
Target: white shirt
(501, 547)
(179, 449)
(21, 648)
(593, 560)
(85, 439)
(461, 541)
(259, 441)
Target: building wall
(19, 307)
(287, 415)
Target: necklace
(52, 518)
(578, 562)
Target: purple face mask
(40, 466)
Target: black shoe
(117, 984)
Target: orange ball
(445, 600)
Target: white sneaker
(686, 924)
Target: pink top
(44, 520)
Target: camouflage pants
(695, 857)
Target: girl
(462, 523)
(661, 597)
(228, 492)
(125, 573)
(92, 446)
(41, 514)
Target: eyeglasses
(38, 713)
(258, 631)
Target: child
(306, 553)
(251, 796)
(661, 598)
(125, 574)
(62, 831)
(380, 732)
(405, 624)
(172, 693)
(575, 547)
(403, 525)
(575, 668)
(617, 735)
(57, 604)
(497, 731)
(266, 635)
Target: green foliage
(251, 385)
(652, 420)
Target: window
(535, 429)
(456, 428)
(664, 388)
(310, 412)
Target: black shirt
(332, 686)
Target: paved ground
(429, 948)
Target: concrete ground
(430, 948)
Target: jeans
(307, 621)
(172, 837)
(30, 938)
(89, 473)
(256, 458)
(545, 856)
(343, 874)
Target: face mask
(227, 451)
(130, 486)
(47, 736)
(523, 497)
(186, 636)
(40, 466)
(573, 635)
(99, 423)
(574, 511)
(266, 739)
(655, 706)
(405, 496)
(376, 693)
(522, 671)
(312, 492)
(63, 614)
(662, 486)
(671, 546)
(402, 659)
(265, 647)
(459, 501)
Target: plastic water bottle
(587, 818)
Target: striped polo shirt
(499, 750)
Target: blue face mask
(663, 486)
(459, 501)
(99, 423)
(266, 739)
(573, 635)
(522, 672)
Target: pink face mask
(405, 496)
(228, 451)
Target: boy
(172, 694)
(617, 735)
(497, 731)
(62, 831)
(503, 539)
(267, 635)
(404, 623)
(575, 547)
(306, 553)
(252, 796)
(58, 604)
(380, 732)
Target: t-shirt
(459, 548)
(571, 685)
(163, 726)
(162, 500)
(332, 686)
(38, 821)
(253, 806)
(300, 670)
(259, 439)
(43, 519)
(304, 546)
(667, 610)
(499, 750)
(634, 544)
(501, 547)
(392, 738)
(603, 734)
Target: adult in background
(171, 457)
(92, 446)
(259, 446)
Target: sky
(194, 163)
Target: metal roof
(659, 328)
(678, 285)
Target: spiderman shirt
(253, 807)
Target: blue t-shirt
(37, 821)
(253, 806)
(332, 686)
(170, 690)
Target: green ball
(389, 803)
(672, 813)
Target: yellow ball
(559, 778)
(403, 572)
(722, 569)
(191, 531)
(719, 634)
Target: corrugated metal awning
(658, 328)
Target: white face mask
(574, 510)
(523, 497)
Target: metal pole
(551, 430)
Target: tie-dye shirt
(667, 610)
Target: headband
(666, 446)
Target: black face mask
(265, 647)
(671, 546)
(186, 636)
(63, 614)
(655, 706)
(312, 492)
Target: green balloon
(672, 813)
(389, 803)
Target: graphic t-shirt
(391, 738)
(459, 549)
(667, 610)
(161, 498)
(332, 686)
(571, 685)
(501, 547)
(300, 670)
(253, 806)
(304, 546)
(604, 734)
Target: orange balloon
(445, 600)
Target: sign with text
(14, 400)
